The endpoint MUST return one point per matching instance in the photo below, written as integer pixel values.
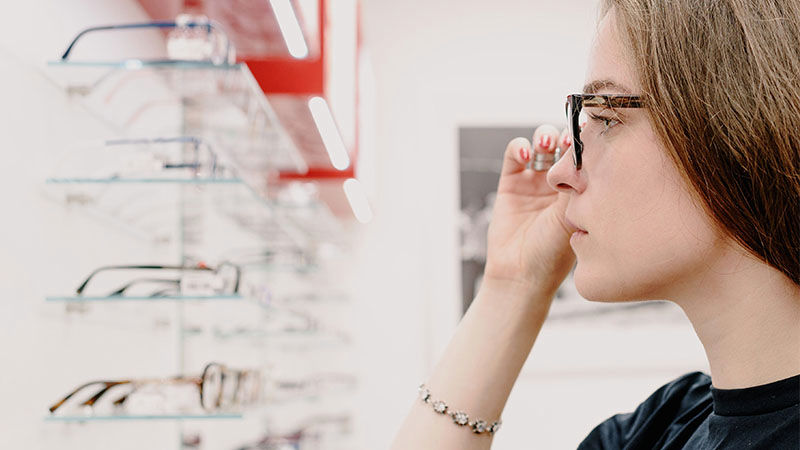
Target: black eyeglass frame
(576, 102)
(209, 27)
(198, 267)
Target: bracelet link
(460, 418)
(425, 393)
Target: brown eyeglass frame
(576, 102)
(215, 403)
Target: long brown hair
(722, 82)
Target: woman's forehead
(610, 69)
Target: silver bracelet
(460, 418)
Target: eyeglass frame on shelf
(200, 267)
(199, 382)
(196, 141)
(576, 102)
(210, 27)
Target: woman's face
(646, 238)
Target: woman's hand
(528, 241)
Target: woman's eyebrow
(598, 85)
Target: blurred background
(257, 223)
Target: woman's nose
(563, 176)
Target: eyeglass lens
(211, 389)
(224, 388)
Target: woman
(683, 184)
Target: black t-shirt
(688, 413)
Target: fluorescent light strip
(358, 200)
(290, 28)
(330, 134)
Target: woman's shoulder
(690, 386)
(667, 411)
(685, 393)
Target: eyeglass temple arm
(612, 101)
(209, 26)
(105, 268)
(58, 404)
(196, 141)
(93, 399)
(127, 286)
(136, 383)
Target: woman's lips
(575, 227)
(578, 235)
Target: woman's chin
(598, 287)
(615, 287)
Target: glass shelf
(220, 102)
(149, 208)
(147, 417)
(261, 339)
(76, 299)
(54, 180)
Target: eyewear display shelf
(223, 99)
(148, 417)
(221, 104)
(127, 298)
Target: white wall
(46, 247)
(44, 244)
(438, 66)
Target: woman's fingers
(545, 139)
(517, 156)
(519, 152)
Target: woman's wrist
(523, 307)
(517, 289)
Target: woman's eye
(607, 122)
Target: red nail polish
(546, 144)
(567, 141)
(542, 141)
(524, 154)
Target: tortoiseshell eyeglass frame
(576, 102)
(212, 373)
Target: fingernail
(546, 144)
(524, 154)
(567, 141)
(542, 143)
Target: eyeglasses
(203, 161)
(218, 49)
(574, 107)
(175, 158)
(226, 278)
(220, 388)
